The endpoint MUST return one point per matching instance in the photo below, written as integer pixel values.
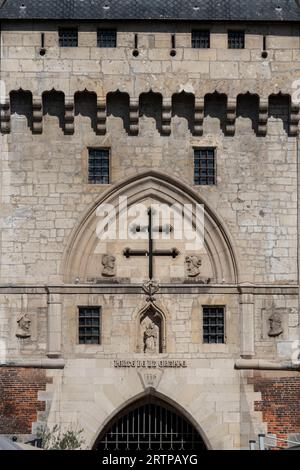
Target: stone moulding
(264, 364)
(35, 363)
(165, 289)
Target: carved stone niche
(151, 332)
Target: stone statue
(276, 328)
(109, 263)
(24, 324)
(193, 264)
(151, 339)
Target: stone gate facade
(151, 102)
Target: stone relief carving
(193, 263)
(151, 288)
(275, 322)
(151, 378)
(24, 327)
(109, 265)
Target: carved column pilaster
(263, 117)
(166, 116)
(199, 116)
(134, 116)
(5, 116)
(54, 325)
(37, 115)
(69, 116)
(101, 116)
(247, 325)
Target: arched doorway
(150, 424)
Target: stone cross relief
(24, 327)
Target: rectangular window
(68, 37)
(89, 325)
(99, 166)
(201, 39)
(213, 325)
(204, 167)
(236, 39)
(107, 38)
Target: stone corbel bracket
(294, 119)
(199, 117)
(101, 116)
(37, 115)
(231, 117)
(69, 116)
(5, 116)
(263, 117)
(166, 116)
(134, 116)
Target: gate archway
(150, 424)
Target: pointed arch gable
(153, 395)
(164, 189)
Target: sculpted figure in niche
(151, 339)
(275, 322)
(193, 264)
(109, 265)
(24, 324)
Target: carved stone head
(108, 262)
(24, 324)
(276, 327)
(193, 264)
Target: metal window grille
(236, 39)
(68, 37)
(213, 325)
(201, 39)
(204, 167)
(89, 325)
(98, 166)
(107, 38)
(151, 427)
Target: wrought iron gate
(150, 427)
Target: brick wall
(279, 404)
(19, 402)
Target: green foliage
(56, 439)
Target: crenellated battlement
(152, 104)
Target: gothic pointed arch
(169, 427)
(160, 188)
